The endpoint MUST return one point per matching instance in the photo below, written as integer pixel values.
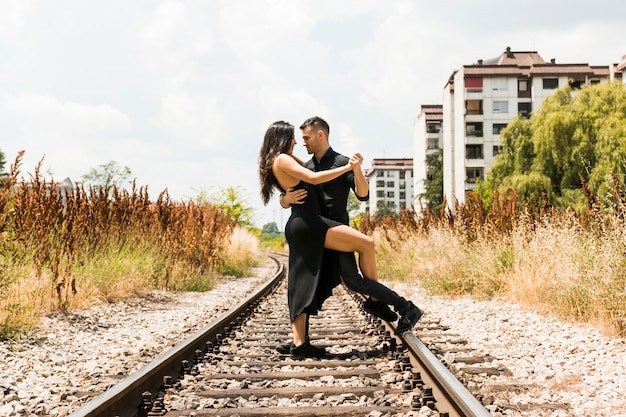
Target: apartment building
(390, 182)
(427, 139)
(480, 99)
(617, 70)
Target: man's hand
(293, 197)
(355, 161)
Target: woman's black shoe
(408, 320)
(307, 350)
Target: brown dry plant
(65, 248)
(553, 260)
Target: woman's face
(293, 144)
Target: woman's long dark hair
(278, 139)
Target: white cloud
(45, 116)
(192, 119)
(181, 91)
(176, 38)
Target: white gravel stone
(559, 362)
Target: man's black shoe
(284, 349)
(307, 350)
(379, 309)
(408, 320)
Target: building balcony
(475, 163)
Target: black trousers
(354, 281)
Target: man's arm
(292, 197)
(361, 188)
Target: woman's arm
(291, 167)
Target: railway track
(231, 367)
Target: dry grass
(63, 249)
(568, 264)
(241, 254)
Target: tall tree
(3, 163)
(232, 200)
(575, 133)
(433, 184)
(107, 175)
(386, 208)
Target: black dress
(306, 232)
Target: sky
(181, 92)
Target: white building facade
(427, 139)
(480, 99)
(390, 182)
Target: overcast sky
(181, 92)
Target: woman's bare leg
(346, 239)
(299, 329)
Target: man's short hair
(316, 123)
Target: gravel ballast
(69, 358)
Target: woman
(308, 233)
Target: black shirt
(333, 195)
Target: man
(333, 197)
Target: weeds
(570, 264)
(62, 248)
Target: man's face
(312, 139)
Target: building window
(497, 128)
(474, 129)
(473, 174)
(433, 143)
(522, 85)
(433, 128)
(380, 173)
(524, 109)
(402, 175)
(402, 205)
(391, 184)
(474, 151)
(550, 83)
(497, 150)
(474, 106)
(474, 84)
(523, 88)
(500, 106)
(390, 194)
(380, 183)
(380, 194)
(402, 195)
(499, 84)
(575, 84)
(594, 81)
(402, 185)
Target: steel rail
(125, 398)
(463, 402)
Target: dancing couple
(321, 243)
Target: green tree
(354, 205)
(232, 200)
(108, 175)
(575, 133)
(270, 228)
(386, 208)
(3, 163)
(433, 184)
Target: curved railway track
(231, 367)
